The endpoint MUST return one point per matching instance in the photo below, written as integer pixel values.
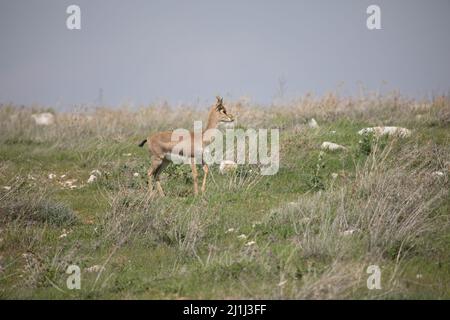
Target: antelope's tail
(142, 143)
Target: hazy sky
(145, 51)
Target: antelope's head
(221, 112)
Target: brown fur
(160, 145)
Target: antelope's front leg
(194, 176)
(205, 170)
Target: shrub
(29, 206)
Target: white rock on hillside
(349, 232)
(331, 146)
(95, 268)
(438, 174)
(43, 119)
(69, 183)
(92, 178)
(313, 123)
(96, 173)
(390, 131)
(227, 166)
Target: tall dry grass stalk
(102, 126)
(382, 214)
(135, 216)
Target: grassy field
(310, 231)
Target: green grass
(180, 246)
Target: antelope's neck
(212, 123)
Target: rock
(334, 175)
(230, 230)
(438, 174)
(95, 268)
(390, 131)
(52, 176)
(282, 283)
(63, 235)
(349, 232)
(69, 183)
(7, 188)
(331, 146)
(250, 243)
(256, 223)
(227, 166)
(96, 172)
(43, 119)
(313, 124)
(94, 175)
(136, 174)
(242, 236)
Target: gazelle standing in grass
(162, 147)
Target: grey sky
(143, 51)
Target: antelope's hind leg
(158, 171)
(153, 172)
(205, 171)
(194, 176)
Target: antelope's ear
(219, 100)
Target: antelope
(161, 147)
